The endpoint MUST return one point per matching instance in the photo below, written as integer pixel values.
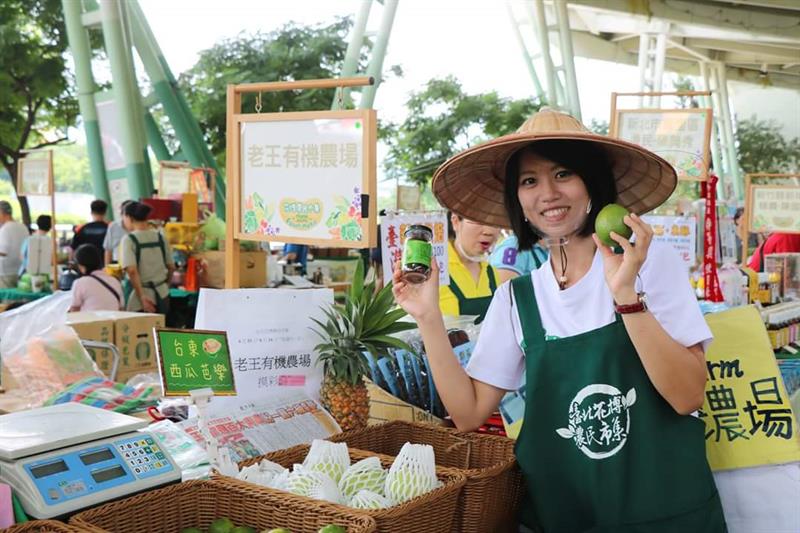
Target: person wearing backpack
(147, 260)
(95, 290)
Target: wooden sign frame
(235, 119)
(744, 226)
(51, 193)
(614, 132)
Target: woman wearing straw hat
(611, 345)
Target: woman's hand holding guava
(621, 269)
(420, 300)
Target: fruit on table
(610, 219)
(221, 525)
(332, 528)
(243, 529)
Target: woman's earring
(589, 207)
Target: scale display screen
(107, 474)
(49, 469)
(97, 457)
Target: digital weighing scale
(63, 458)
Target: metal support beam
(567, 58)
(379, 54)
(728, 132)
(539, 22)
(128, 101)
(716, 158)
(353, 53)
(525, 55)
(82, 55)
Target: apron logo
(599, 420)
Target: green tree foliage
(762, 147)
(290, 53)
(37, 99)
(443, 120)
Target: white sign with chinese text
(678, 232)
(308, 180)
(271, 343)
(174, 181)
(34, 177)
(774, 208)
(393, 226)
(680, 136)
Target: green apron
(600, 449)
(162, 304)
(475, 306)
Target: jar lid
(419, 227)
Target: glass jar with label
(417, 254)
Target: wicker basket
(198, 503)
(431, 512)
(450, 448)
(491, 498)
(41, 526)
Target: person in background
(94, 290)
(296, 253)
(509, 261)
(116, 231)
(472, 279)
(12, 235)
(777, 243)
(93, 232)
(147, 260)
(37, 250)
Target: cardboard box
(383, 407)
(252, 269)
(91, 327)
(131, 333)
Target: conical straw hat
(471, 183)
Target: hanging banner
(678, 232)
(194, 359)
(393, 227)
(713, 293)
(681, 136)
(173, 181)
(748, 417)
(726, 254)
(119, 191)
(308, 178)
(774, 208)
(110, 131)
(35, 176)
(269, 331)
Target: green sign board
(194, 359)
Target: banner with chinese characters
(748, 418)
(35, 176)
(308, 178)
(270, 336)
(774, 208)
(681, 136)
(394, 225)
(194, 359)
(678, 232)
(173, 181)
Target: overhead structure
(546, 42)
(118, 122)
(755, 41)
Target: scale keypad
(142, 455)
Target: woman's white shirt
(498, 358)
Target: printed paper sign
(269, 331)
(34, 177)
(748, 417)
(679, 136)
(307, 180)
(774, 208)
(678, 232)
(393, 227)
(194, 359)
(174, 181)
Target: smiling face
(474, 238)
(553, 198)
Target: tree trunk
(25, 211)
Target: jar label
(417, 252)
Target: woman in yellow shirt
(472, 280)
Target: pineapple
(364, 323)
